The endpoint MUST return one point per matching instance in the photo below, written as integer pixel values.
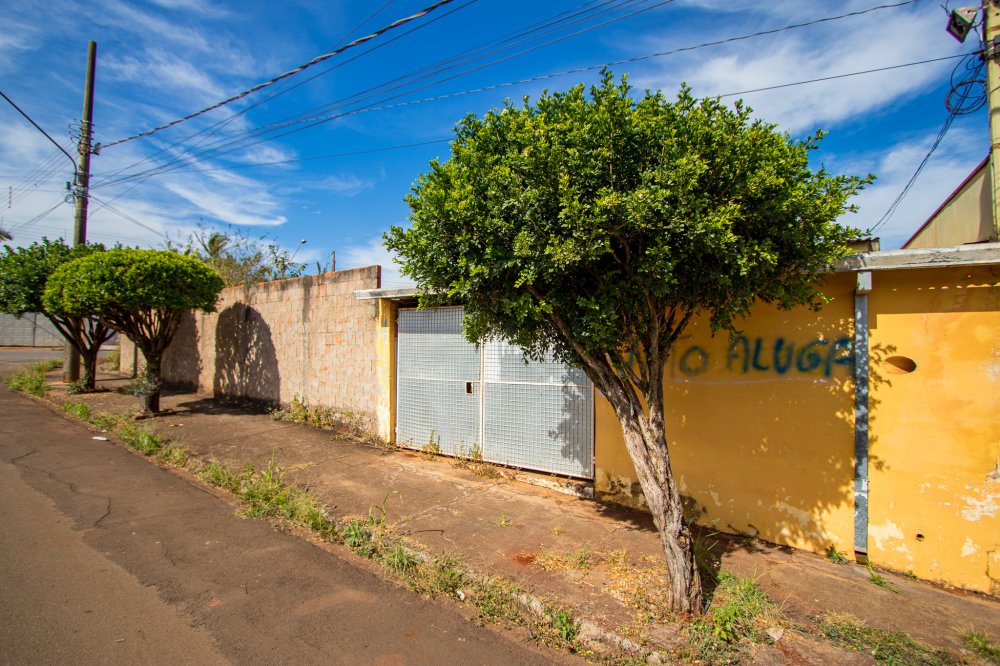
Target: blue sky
(159, 60)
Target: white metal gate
(461, 399)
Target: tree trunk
(645, 439)
(89, 358)
(151, 401)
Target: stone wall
(270, 342)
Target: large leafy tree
(141, 293)
(24, 272)
(599, 226)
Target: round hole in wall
(920, 536)
(900, 365)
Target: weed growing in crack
(345, 424)
(876, 579)
(980, 643)
(836, 556)
(891, 647)
(565, 626)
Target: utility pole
(991, 34)
(71, 370)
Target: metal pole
(991, 34)
(71, 370)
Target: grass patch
(498, 600)
(109, 421)
(980, 643)
(502, 521)
(264, 494)
(877, 579)
(890, 647)
(219, 475)
(76, 388)
(31, 380)
(173, 454)
(76, 409)
(345, 424)
(141, 439)
(739, 615)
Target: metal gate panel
(537, 415)
(437, 382)
(30, 330)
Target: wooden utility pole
(991, 34)
(71, 369)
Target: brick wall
(307, 337)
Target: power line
(437, 141)
(314, 121)
(214, 128)
(291, 72)
(128, 217)
(39, 128)
(961, 100)
(560, 17)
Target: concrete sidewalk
(601, 561)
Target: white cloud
(240, 207)
(346, 186)
(369, 254)
(852, 45)
(957, 156)
(159, 70)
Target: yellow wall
(767, 448)
(966, 217)
(385, 369)
(936, 430)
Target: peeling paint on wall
(969, 548)
(985, 505)
(887, 531)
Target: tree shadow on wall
(246, 364)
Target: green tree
(141, 293)
(241, 259)
(599, 226)
(24, 272)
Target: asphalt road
(107, 559)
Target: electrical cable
(544, 23)
(423, 143)
(206, 154)
(289, 73)
(961, 100)
(128, 217)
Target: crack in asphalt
(16, 460)
(70, 485)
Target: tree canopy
(597, 226)
(141, 293)
(24, 272)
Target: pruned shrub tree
(141, 294)
(598, 226)
(24, 272)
